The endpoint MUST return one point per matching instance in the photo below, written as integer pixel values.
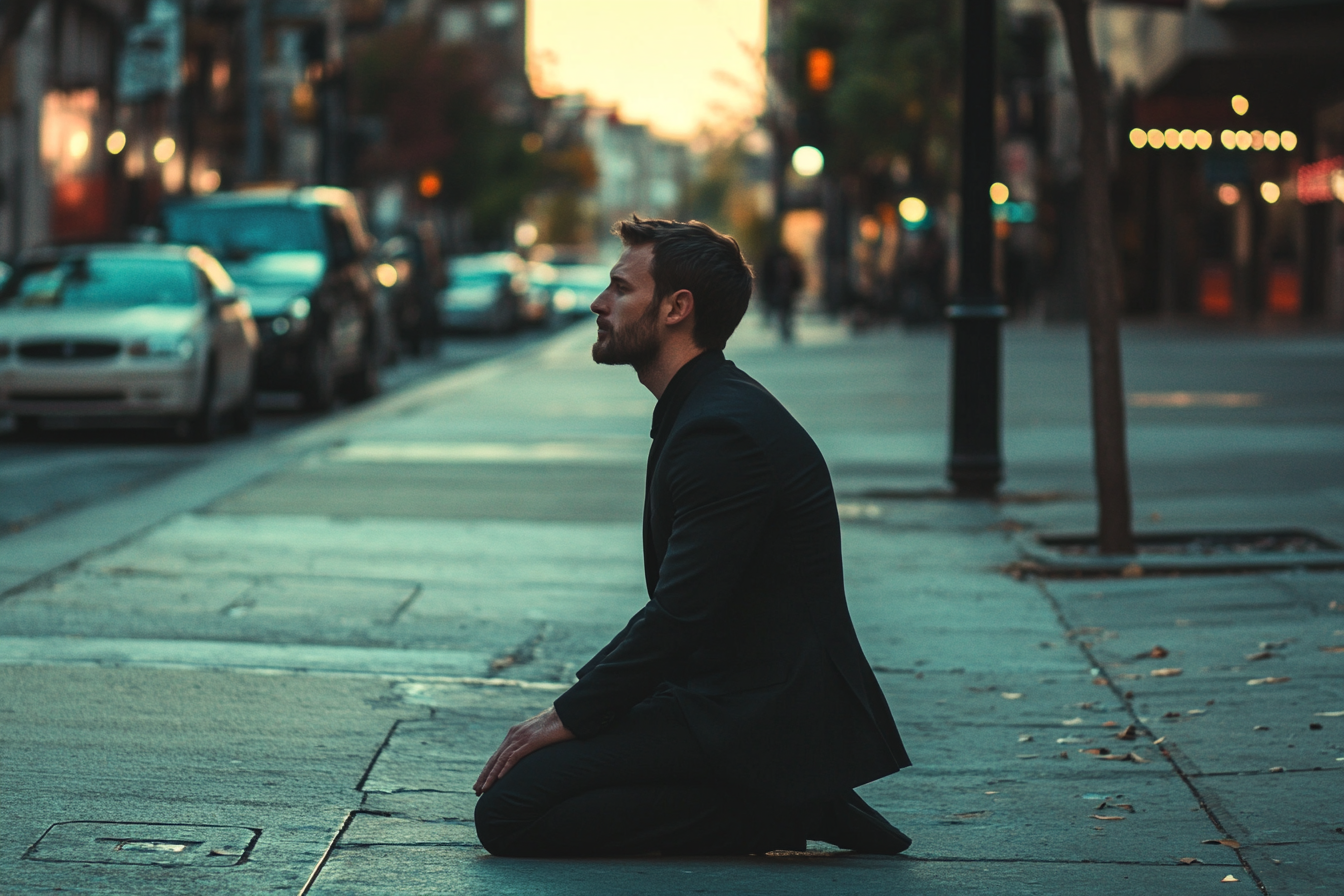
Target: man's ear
(679, 307)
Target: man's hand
(541, 730)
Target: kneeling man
(735, 713)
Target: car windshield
(100, 281)
(240, 231)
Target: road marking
(607, 451)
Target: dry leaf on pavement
(1125, 757)
(1096, 751)
(1229, 880)
(1157, 653)
(1108, 817)
(1330, 715)
(1269, 680)
(1332, 648)
(1166, 673)
(1010, 696)
(1128, 734)
(1226, 841)
(1189, 860)
(1262, 655)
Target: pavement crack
(521, 655)
(376, 753)
(406, 604)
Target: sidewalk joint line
(326, 854)
(1129, 709)
(406, 604)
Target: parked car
(570, 288)
(410, 270)
(150, 333)
(484, 292)
(303, 256)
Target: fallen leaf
(1028, 755)
(1332, 648)
(1128, 734)
(1105, 681)
(1064, 755)
(1078, 721)
(1108, 817)
(1276, 645)
(1195, 712)
(503, 662)
(1096, 751)
(1157, 653)
(1315, 726)
(1009, 696)
(1072, 739)
(1024, 738)
(1260, 728)
(1159, 740)
(1262, 655)
(1131, 571)
(980, 814)
(1188, 860)
(1110, 724)
(1269, 680)
(1229, 880)
(1166, 673)
(1171, 715)
(1125, 757)
(1226, 841)
(1276, 768)
(1330, 715)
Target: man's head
(674, 280)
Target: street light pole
(975, 465)
(252, 147)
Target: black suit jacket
(746, 622)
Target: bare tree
(1110, 460)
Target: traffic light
(820, 69)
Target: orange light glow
(820, 69)
(1228, 194)
(430, 184)
(1215, 291)
(1285, 291)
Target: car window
(242, 231)
(342, 246)
(101, 281)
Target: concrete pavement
(281, 671)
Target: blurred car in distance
(570, 288)
(484, 292)
(303, 256)
(144, 333)
(410, 271)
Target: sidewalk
(283, 672)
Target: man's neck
(673, 356)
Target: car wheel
(203, 425)
(27, 426)
(362, 382)
(319, 386)
(245, 412)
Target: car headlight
(299, 308)
(294, 318)
(163, 345)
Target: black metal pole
(975, 466)
(253, 161)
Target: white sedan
(153, 334)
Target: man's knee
(496, 820)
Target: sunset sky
(673, 64)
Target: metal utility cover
(117, 843)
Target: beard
(636, 344)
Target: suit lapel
(664, 419)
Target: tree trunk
(1115, 527)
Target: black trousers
(642, 786)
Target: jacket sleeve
(723, 493)
(602, 654)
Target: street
(276, 664)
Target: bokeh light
(912, 210)
(116, 142)
(1228, 194)
(998, 193)
(1270, 191)
(808, 161)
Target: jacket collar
(683, 383)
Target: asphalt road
(62, 469)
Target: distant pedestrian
(735, 712)
(780, 277)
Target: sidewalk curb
(60, 542)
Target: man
(735, 713)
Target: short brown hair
(693, 256)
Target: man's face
(627, 314)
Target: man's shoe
(850, 823)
